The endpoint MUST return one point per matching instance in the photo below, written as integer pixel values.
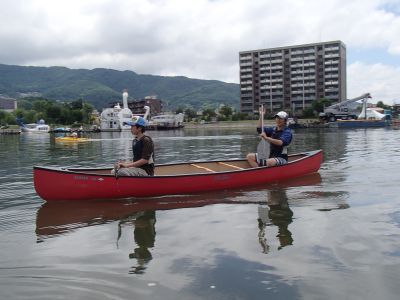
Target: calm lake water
(331, 235)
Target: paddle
(263, 148)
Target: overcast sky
(202, 38)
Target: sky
(202, 38)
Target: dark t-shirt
(144, 148)
(284, 135)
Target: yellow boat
(71, 139)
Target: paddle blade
(263, 149)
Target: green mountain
(100, 87)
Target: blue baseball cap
(137, 122)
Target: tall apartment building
(291, 78)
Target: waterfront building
(153, 102)
(291, 78)
(7, 104)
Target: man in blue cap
(143, 152)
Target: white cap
(282, 115)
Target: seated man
(143, 153)
(279, 138)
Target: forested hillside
(102, 86)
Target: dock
(10, 131)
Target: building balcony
(331, 90)
(331, 62)
(297, 59)
(277, 67)
(297, 92)
(331, 83)
(310, 51)
(332, 55)
(331, 48)
(245, 64)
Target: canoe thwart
(204, 168)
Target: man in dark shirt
(143, 153)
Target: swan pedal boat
(77, 184)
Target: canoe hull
(55, 184)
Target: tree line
(31, 110)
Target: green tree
(319, 105)
(3, 116)
(179, 110)
(77, 116)
(208, 114)
(239, 116)
(382, 105)
(77, 104)
(190, 114)
(41, 105)
(308, 113)
(86, 112)
(53, 113)
(226, 112)
(66, 116)
(25, 104)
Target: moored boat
(167, 121)
(358, 123)
(39, 127)
(66, 184)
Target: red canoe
(62, 184)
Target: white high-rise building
(291, 78)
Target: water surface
(331, 235)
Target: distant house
(396, 107)
(155, 104)
(8, 104)
(137, 106)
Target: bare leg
(271, 162)
(251, 158)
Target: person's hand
(263, 135)
(119, 164)
(261, 110)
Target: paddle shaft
(263, 148)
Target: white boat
(167, 121)
(39, 127)
(114, 119)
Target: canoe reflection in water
(278, 213)
(57, 219)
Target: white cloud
(198, 38)
(381, 81)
